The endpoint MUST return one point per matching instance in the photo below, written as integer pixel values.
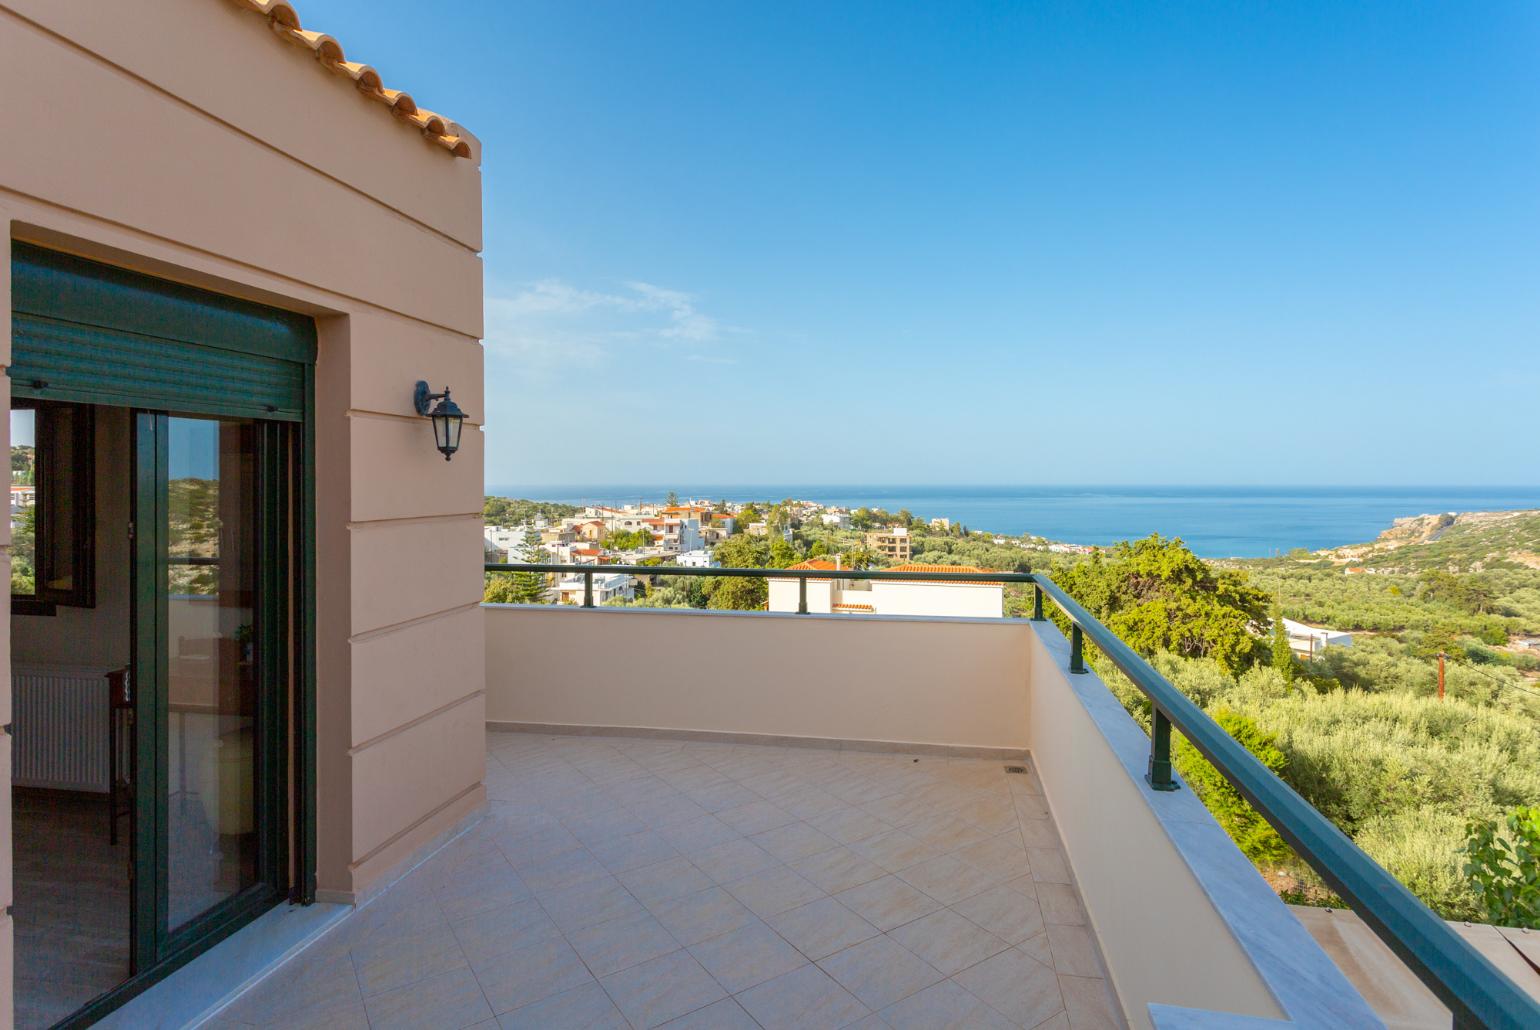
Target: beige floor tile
(726, 1014)
(894, 850)
(948, 941)
(821, 928)
(622, 943)
(1004, 912)
(749, 955)
(733, 860)
(1002, 856)
(880, 972)
(774, 890)
(1060, 903)
(704, 914)
(837, 869)
(804, 998)
(695, 835)
(632, 852)
(1089, 1003)
(1074, 953)
(947, 833)
(532, 973)
(386, 962)
(589, 903)
(298, 986)
(1015, 985)
(1048, 865)
(560, 871)
(888, 902)
(448, 1000)
(796, 840)
(670, 878)
(581, 1008)
(945, 1004)
(1039, 833)
(662, 989)
(949, 879)
(756, 816)
(488, 888)
(495, 931)
(848, 825)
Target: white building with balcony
(607, 587)
(931, 598)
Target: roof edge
(435, 128)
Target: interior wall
(99, 636)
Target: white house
(607, 587)
(932, 598)
(836, 519)
(699, 558)
(504, 538)
(1308, 641)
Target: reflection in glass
(23, 502)
(211, 588)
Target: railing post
(1159, 774)
(802, 595)
(1076, 650)
(588, 590)
(1037, 603)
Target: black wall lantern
(446, 415)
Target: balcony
(722, 819)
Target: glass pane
(212, 852)
(56, 553)
(24, 502)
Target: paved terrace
(623, 881)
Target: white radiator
(59, 715)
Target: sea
(1215, 521)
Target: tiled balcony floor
(637, 882)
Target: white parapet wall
(956, 683)
(1191, 934)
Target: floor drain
(1018, 769)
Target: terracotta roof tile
(284, 21)
(853, 608)
(923, 567)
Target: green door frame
(74, 321)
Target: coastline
(1216, 522)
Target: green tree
(1283, 653)
(742, 552)
(1250, 831)
(782, 554)
(1159, 596)
(521, 587)
(627, 539)
(1503, 866)
(736, 593)
(672, 500)
(858, 558)
(748, 513)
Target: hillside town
(805, 535)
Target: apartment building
(893, 543)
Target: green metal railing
(1476, 992)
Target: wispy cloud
(552, 325)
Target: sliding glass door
(211, 632)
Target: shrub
(1503, 867)
(1250, 831)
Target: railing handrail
(1475, 990)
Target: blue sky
(978, 243)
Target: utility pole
(1441, 675)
